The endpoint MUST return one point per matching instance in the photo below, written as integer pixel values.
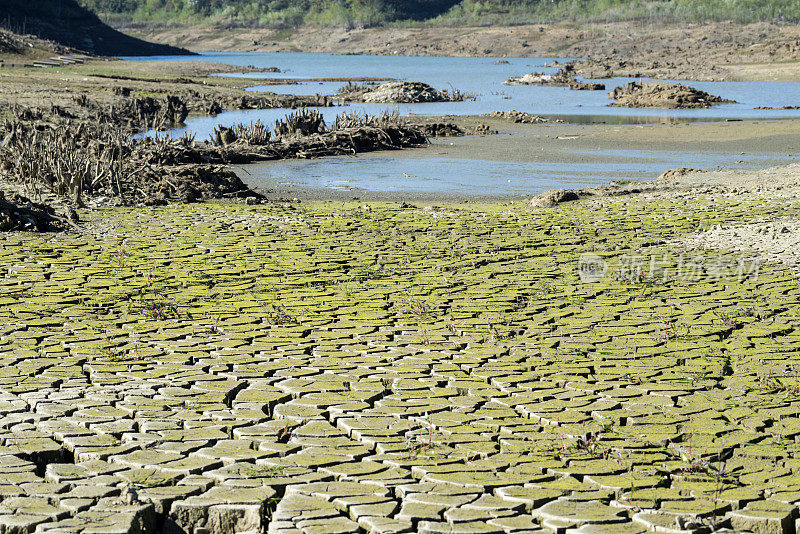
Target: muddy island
(663, 95)
(399, 92)
(565, 77)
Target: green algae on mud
(433, 364)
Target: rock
(563, 78)
(214, 108)
(442, 129)
(672, 174)
(519, 117)
(398, 93)
(483, 129)
(663, 95)
(552, 198)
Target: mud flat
(420, 368)
(568, 143)
(598, 149)
(609, 364)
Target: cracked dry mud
(329, 368)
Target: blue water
(484, 78)
(302, 89)
(480, 76)
(374, 172)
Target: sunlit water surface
(484, 78)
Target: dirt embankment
(134, 92)
(710, 51)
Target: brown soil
(710, 51)
(520, 117)
(663, 95)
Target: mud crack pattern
(346, 368)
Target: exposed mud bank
(664, 96)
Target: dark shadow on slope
(67, 23)
(419, 9)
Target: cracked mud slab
(330, 368)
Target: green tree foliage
(365, 13)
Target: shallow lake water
(442, 175)
(484, 78)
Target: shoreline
(722, 51)
(561, 143)
(565, 144)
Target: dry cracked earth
(337, 367)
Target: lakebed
(377, 367)
(597, 143)
(450, 363)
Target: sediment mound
(549, 199)
(398, 93)
(673, 174)
(562, 78)
(663, 95)
(519, 117)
